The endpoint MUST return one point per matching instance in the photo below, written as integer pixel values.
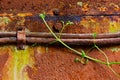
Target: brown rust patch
(65, 6)
(71, 7)
(3, 59)
(87, 24)
(59, 64)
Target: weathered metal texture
(41, 63)
(63, 35)
(82, 24)
(72, 36)
(21, 39)
(8, 40)
(109, 41)
(32, 40)
(74, 18)
(64, 6)
(102, 23)
(70, 39)
(89, 16)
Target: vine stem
(107, 63)
(62, 29)
(77, 52)
(107, 60)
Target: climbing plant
(82, 53)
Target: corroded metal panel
(43, 62)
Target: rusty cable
(70, 39)
(64, 35)
(104, 41)
(31, 40)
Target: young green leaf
(42, 15)
(94, 35)
(76, 60)
(83, 54)
(69, 23)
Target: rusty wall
(43, 62)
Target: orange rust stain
(102, 8)
(85, 7)
(24, 14)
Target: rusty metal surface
(63, 35)
(73, 18)
(46, 38)
(52, 62)
(64, 6)
(21, 39)
(86, 24)
(108, 41)
(89, 23)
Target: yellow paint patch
(15, 67)
(114, 27)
